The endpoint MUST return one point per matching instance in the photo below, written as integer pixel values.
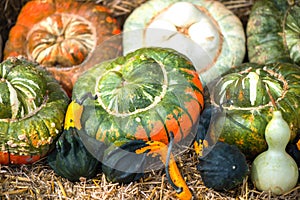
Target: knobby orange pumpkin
(61, 35)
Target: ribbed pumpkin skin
(143, 96)
(224, 49)
(60, 35)
(243, 94)
(33, 106)
(273, 31)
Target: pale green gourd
(274, 170)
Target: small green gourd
(274, 170)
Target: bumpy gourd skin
(61, 35)
(127, 108)
(273, 31)
(33, 106)
(247, 95)
(143, 95)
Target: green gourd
(222, 166)
(273, 31)
(274, 170)
(245, 94)
(32, 110)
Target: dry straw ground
(38, 181)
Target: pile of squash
(94, 96)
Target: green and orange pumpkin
(61, 35)
(144, 100)
(247, 95)
(32, 110)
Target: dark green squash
(247, 95)
(32, 110)
(273, 31)
(71, 159)
(222, 166)
(116, 159)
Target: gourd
(209, 34)
(222, 166)
(60, 35)
(247, 95)
(70, 158)
(274, 170)
(150, 98)
(32, 110)
(273, 30)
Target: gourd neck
(277, 133)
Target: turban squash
(273, 31)
(32, 110)
(247, 95)
(61, 35)
(144, 100)
(205, 31)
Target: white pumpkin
(208, 33)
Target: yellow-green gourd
(274, 170)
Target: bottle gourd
(274, 170)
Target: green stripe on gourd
(273, 31)
(22, 89)
(136, 94)
(214, 37)
(248, 94)
(35, 108)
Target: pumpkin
(273, 31)
(247, 95)
(32, 109)
(222, 166)
(60, 35)
(144, 101)
(205, 31)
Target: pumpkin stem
(172, 172)
(271, 98)
(85, 96)
(178, 189)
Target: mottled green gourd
(274, 170)
(273, 31)
(246, 94)
(32, 109)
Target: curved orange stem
(177, 181)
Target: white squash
(274, 170)
(209, 34)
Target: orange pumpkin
(61, 35)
